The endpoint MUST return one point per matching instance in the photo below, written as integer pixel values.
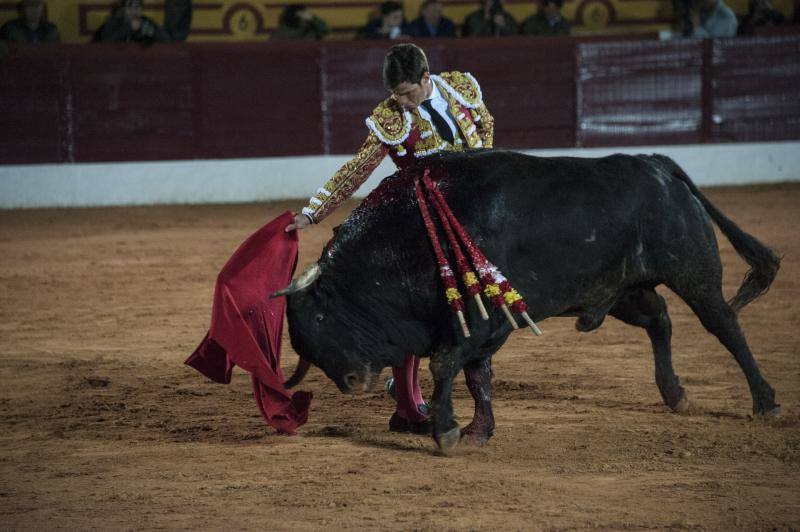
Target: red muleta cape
(246, 325)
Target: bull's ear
(300, 283)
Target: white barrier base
(276, 178)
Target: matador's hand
(300, 222)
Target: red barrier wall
(755, 96)
(640, 93)
(90, 103)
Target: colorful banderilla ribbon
(445, 272)
(468, 276)
(495, 286)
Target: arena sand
(103, 427)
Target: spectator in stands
(760, 13)
(297, 22)
(431, 23)
(32, 26)
(714, 20)
(682, 13)
(177, 19)
(390, 24)
(129, 24)
(548, 20)
(491, 20)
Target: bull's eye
(319, 318)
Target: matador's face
(410, 95)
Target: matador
(425, 114)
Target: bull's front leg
(479, 381)
(445, 429)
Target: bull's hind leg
(478, 374)
(645, 308)
(720, 320)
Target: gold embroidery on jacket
(463, 84)
(389, 127)
(485, 125)
(349, 177)
(389, 122)
(465, 124)
(429, 139)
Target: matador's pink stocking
(409, 396)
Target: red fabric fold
(246, 325)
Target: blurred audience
(682, 18)
(129, 24)
(297, 22)
(491, 20)
(548, 20)
(430, 22)
(760, 13)
(389, 25)
(715, 19)
(32, 25)
(177, 19)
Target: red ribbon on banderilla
(495, 286)
(445, 272)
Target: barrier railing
(86, 103)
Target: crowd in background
(127, 22)
(490, 20)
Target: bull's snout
(358, 382)
(351, 381)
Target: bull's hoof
(681, 406)
(476, 437)
(764, 401)
(447, 441)
(774, 413)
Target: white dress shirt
(440, 104)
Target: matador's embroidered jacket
(405, 136)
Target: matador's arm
(484, 121)
(347, 180)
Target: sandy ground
(103, 427)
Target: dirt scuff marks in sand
(104, 428)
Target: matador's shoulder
(390, 123)
(463, 86)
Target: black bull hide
(577, 237)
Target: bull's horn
(300, 283)
(298, 375)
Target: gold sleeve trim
(485, 123)
(347, 180)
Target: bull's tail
(764, 263)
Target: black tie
(439, 122)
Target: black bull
(577, 237)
